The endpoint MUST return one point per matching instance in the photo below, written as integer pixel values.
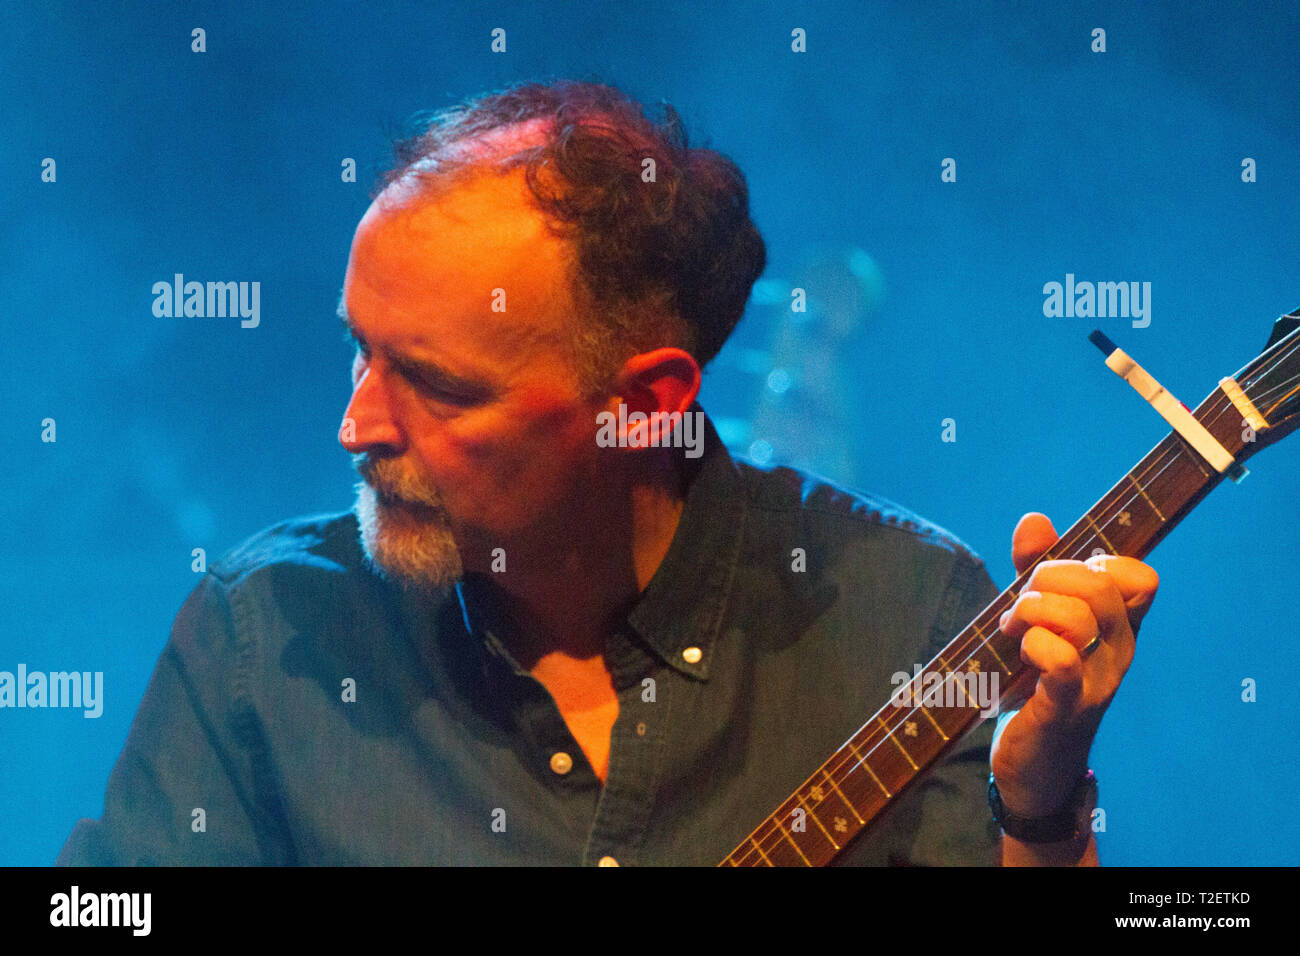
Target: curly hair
(662, 261)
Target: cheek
(523, 471)
(557, 423)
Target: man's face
(466, 423)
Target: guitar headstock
(1271, 381)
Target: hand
(1042, 751)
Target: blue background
(183, 433)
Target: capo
(1172, 410)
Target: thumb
(1034, 534)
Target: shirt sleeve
(945, 820)
(181, 792)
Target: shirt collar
(679, 614)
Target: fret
(786, 833)
(945, 668)
(901, 748)
(952, 675)
(931, 720)
(1143, 492)
(1105, 541)
(863, 792)
(847, 802)
(961, 686)
(1191, 454)
(951, 721)
(1170, 481)
(1167, 467)
(1164, 482)
(986, 641)
(808, 811)
(1088, 546)
(862, 762)
(779, 845)
(1120, 511)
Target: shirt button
(692, 655)
(561, 762)
(607, 861)
(640, 729)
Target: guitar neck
(893, 750)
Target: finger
(1097, 588)
(1137, 583)
(1064, 615)
(1034, 534)
(1059, 665)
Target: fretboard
(892, 750)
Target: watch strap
(1054, 828)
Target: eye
(437, 388)
(439, 394)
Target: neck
(568, 583)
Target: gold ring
(1088, 648)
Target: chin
(413, 547)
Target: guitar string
(868, 746)
(1278, 387)
(1257, 373)
(980, 641)
(1175, 451)
(777, 832)
(1213, 416)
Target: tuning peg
(1284, 326)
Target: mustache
(389, 481)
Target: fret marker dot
(692, 655)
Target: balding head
(664, 252)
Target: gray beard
(412, 551)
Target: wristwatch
(1068, 824)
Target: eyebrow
(428, 374)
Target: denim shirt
(766, 638)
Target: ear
(664, 381)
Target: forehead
(471, 270)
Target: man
(553, 631)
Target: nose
(368, 421)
